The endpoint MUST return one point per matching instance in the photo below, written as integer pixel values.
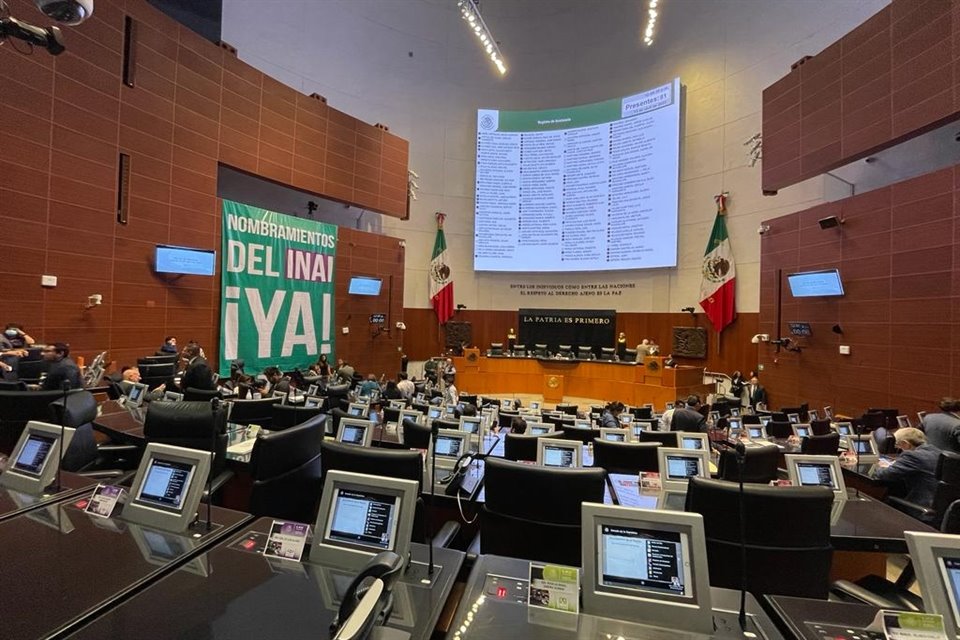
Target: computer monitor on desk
(844, 428)
(817, 471)
(33, 463)
(864, 446)
(538, 428)
(355, 431)
(802, 430)
(361, 516)
(936, 557)
(449, 444)
(357, 410)
(677, 466)
(559, 453)
(168, 486)
(647, 566)
(696, 441)
(757, 432)
(615, 435)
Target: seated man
(368, 386)
(277, 381)
(914, 470)
(169, 345)
(943, 429)
(62, 368)
(688, 417)
(131, 375)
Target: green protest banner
(278, 289)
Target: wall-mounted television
(811, 284)
(185, 261)
(364, 286)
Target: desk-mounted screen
(185, 261)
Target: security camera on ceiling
(69, 12)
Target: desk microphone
(741, 462)
(856, 448)
(65, 387)
(455, 479)
(434, 430)
(215, 408)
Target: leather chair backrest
(444, 423)
(759, 465)
(586, 436)
(625, 457)
(286, 471)
(422, 407)
(779, 429)
(415, 435)
(665, 438)
(948, 485)
(32, 369)
(190, 424)
(825, 445)
(750, 418)
(285, 416)
(569, 409)
(81, 409)
(17, 408)
(786, 527)
(253, 411)
(820, 427)
(391, 415)
(391, 463)
(523, 446)
(13, 385)
(779, 416)
(201, 394)
(280, 452)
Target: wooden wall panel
(898, 252)
(890, 79)
(63, 123)
(424, 337)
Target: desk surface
(61, 566)
(862, 524)
(794, 614)
(14, 503)
(245, 595)
(488, 618)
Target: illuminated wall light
(470, 13)
(652, 14)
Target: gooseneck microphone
(741, 462)
(434, 430)
(65, 387)
(215, 409)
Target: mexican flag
(441, 284)
(717, 289)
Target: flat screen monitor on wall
(364, 286)
(812, 284)
(587, 188)
(185, 261)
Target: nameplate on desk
(286, 540)
(554, 587)
(104, 500)
(902, 625)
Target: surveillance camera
(762, 229)
(760, 337)
(403, 244)
(401, 326)
(71, 12)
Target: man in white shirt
(450, 393)
(406, 387)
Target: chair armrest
(102, 474)
(913, 510)
(850, 591)
(217, 483)
(445, 536)
(474, 548)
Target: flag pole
(721, 200)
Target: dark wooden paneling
(424, 337)
(889, 79)
(194, 106)
(898, 255)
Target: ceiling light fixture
(653, 13)
(471, 13)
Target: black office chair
(284, 416)
(625, 457)
(779, 429)
(32, 370)
(286, 474)
(825, 445)
(629, 355)
(533, 512)
(390, 463)
(820, 427)
(13, 385)
(871, 421)
(540, 351)
(786, 527)
(779, 416)
(569, 409)
(665, 438)
(585, 353)
(519, 350)
(750, 418)
(641, 413)
(203, 395)
(565, 350)
(336, 393)
(193, 425)
(759, 464)
(607, 354)
(946, 493)
(467, 398)
(17, 408)
(496, 349)
(258, 412)
(523, 446)
(586, 436)
(446, 423)
(84, 455)
(422, 407)
(415, 435)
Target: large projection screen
(587, 188)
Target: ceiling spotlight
(652, 15)
(471, 13)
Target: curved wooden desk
(634, 384)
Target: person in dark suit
(689, 418)
(62, 368)
(196, 372)
(756, 394)
(915, 470)
(943, 429)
